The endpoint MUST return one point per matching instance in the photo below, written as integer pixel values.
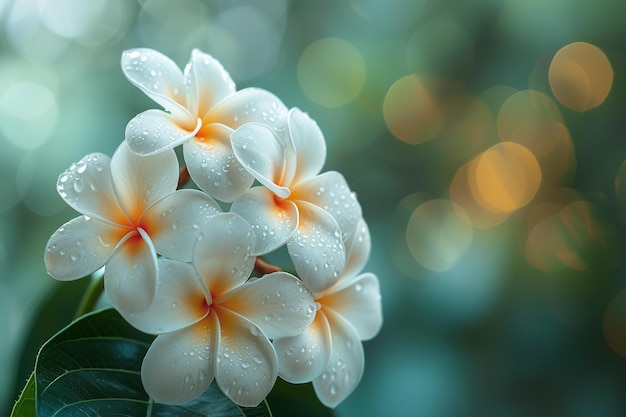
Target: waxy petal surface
(80, 247)
(155, 131)
(331, 192)
(208, 82)
(358, 301)
(213, 166)
(179, 217)
(223, 253)
(180, 300)
(345, 367)
(87, 187)
(131, 273)
(251, 105)
(309, 144)
(140, 181)
(273, 221)
(316, 248)
(302, 358)
(180, 366)
(358, 249)
(246, 366)
(158, 77)
(278, 303)
(263, 155)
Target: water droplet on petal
(79, 184)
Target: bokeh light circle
(331, 72)
(580, 76)
(620, 185)
(614, 324)
(28, 114)
(477, 214)
(438, 234)
(411, 112)
(507, 176)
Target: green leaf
(25, 405)
(92, 368)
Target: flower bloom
(202, 108)
(329, 352)
(312, 213)
(131, 211)
(212, 323)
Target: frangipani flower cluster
(177, 266)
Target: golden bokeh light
(580, 76)
(507, 177)
(412, 113)
(522, 108)
(476, 213)
(620, 185)
(437, 236)
(331, 72)
(566, 237)
(614, 324)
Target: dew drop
(79, 184)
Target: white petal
(180, 366)
(331, 192)
(262, 154)
(316, 249)
(214, 167)
(309, 144)
(131, 273)
(80, 247)
(273, 221)
(358, 249)
(345, 368)
(155, 131)
(180, 300)
(140, 181)
(278, 303)
(177, 220)
(302, 358)
(158, 77)
(87, 187)
(208, 81)
(246, 365)
(222, 254)
(357, 300)
(251, 105)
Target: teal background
(493, 334)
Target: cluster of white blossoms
(177, 266)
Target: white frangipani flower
(202, 107)
(131, 211)
(312, 213)
(330, 352)
(212, 323)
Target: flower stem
(92, 294)
(264, 267)
(183, 177)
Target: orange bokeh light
(507, 177)
(580, 76)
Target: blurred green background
(485, 140)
